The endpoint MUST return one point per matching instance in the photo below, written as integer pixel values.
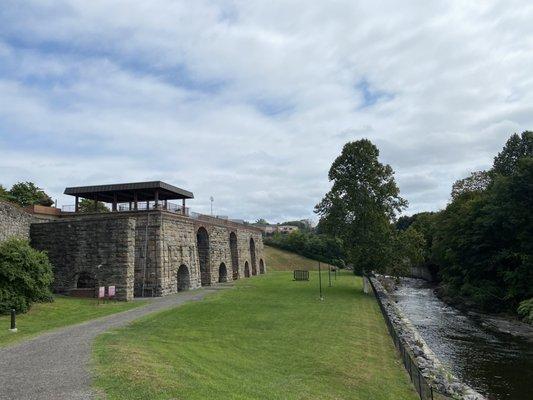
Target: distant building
(283, 229)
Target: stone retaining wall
(102, 248)
(14, 221)
(145, 253)
(439, 377)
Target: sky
(251, 101)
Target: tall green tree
(483, 242)
(27, 194)
(362, 203)
(478, 181)
(517, 147)
(406, 250)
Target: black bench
(301, 275)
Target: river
(496, 365)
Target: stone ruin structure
(146, 245)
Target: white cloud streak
(251, 101)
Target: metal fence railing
(423, 388)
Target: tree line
(480, 246)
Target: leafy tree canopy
(27, 194)
(87, 206)
(4, 194)
(516, 148)
(363, 201)
(478, 181)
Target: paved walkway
(55, 365)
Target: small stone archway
(234, 255)
(246, 270)
(183, 278)
(85, 280)
(261, 266)
(222, 273)
(202, 244)
(252, 256)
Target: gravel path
(55, 365)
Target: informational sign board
(101, 292)
(111, 292)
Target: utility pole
(320, 281)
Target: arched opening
(202, 243)
(246, 270)
(261, 266)
(85, 281)
(222, 273)
(184, 279)
(234, 255)
(252, 256)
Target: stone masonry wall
(178, 247)
(14, 221)
(101, 246)
(143, 250)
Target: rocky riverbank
(439, 377)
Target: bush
(525, 310)
(25, 276)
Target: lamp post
(320, 281)
(211, 199)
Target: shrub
(525, 310)
(25, 276)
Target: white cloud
(251, 101)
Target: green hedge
(25, 276)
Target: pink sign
(101, 292)
(111, 291)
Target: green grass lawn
(281, 260)
(268, 338)
(62, 312)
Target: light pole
(320, 281)
(211, 199)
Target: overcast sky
(251, 101)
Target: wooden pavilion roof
(126, 192)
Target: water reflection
(498, 366)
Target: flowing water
(496, 365)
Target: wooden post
(156, 202)
(183, 206)
(165, 202)
(135, 201)
(77, 205)
(114, 202)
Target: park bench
(301, 275)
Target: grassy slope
(268, 338)
(281, 260)
(62, 312)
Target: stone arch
(246, 270)
(261, 266)
(85, 280)
(234, 255)
(183, 278)
(252, 256)
(202, 244)
(222, 273)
